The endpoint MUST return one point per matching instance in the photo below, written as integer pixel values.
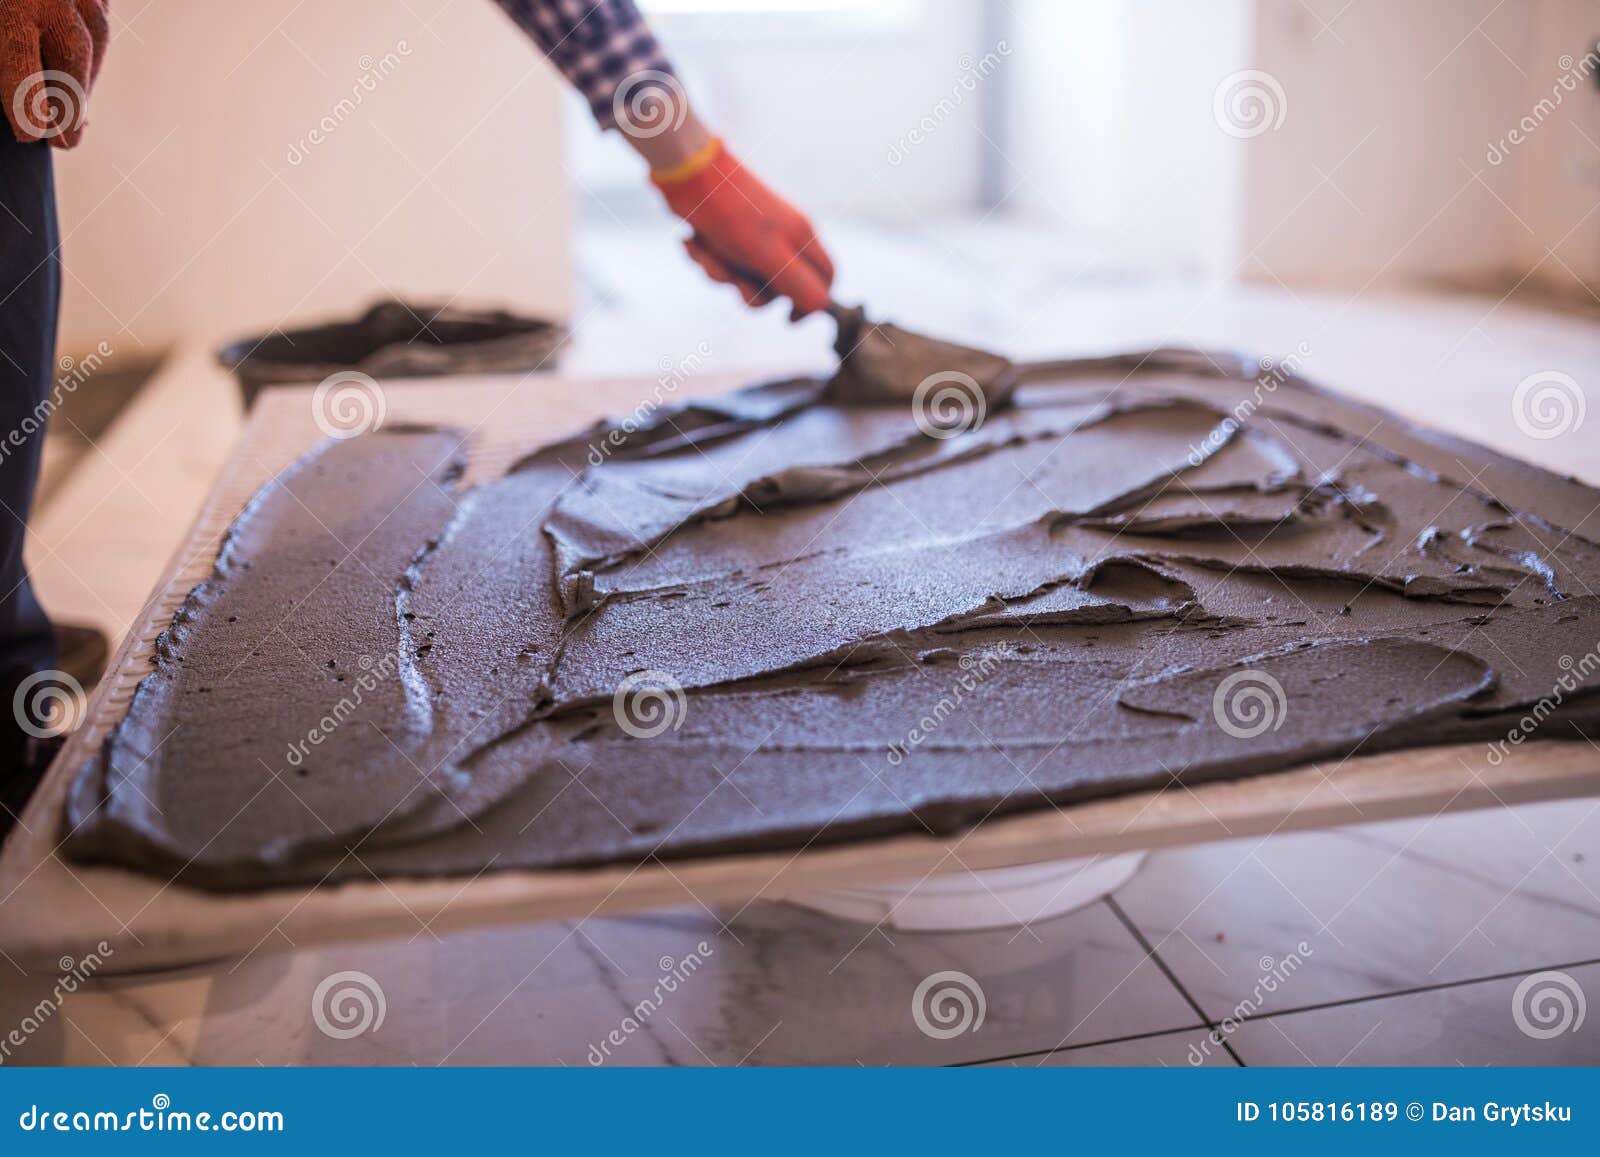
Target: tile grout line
(1419, 989)
(1115, 1040)
(1207, 1023)
(1133, 929)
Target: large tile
(1190, 1049)
(777, 985)
(1293, 920)
(1468, 1024)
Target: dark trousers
(30, 289)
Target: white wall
(1371, 175)
(817, 100)
(1378, 171)
(1182, 180)
(1116, 136)
(1067, 99)
(1556, 165)
(183, 214)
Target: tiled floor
(1470, 1023)
(1375, 909)
(1360, 946)
(1397, 942)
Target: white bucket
(971, 900)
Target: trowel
(881, 363)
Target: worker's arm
(50, 53)
(744, 233)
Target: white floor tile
(1294, 920)
(780, 985)
(1473, 1024)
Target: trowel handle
(847, 317)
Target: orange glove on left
(50, 54)
(745, 235)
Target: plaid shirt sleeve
(603, 47)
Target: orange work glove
(745, 235)
(50, 54)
